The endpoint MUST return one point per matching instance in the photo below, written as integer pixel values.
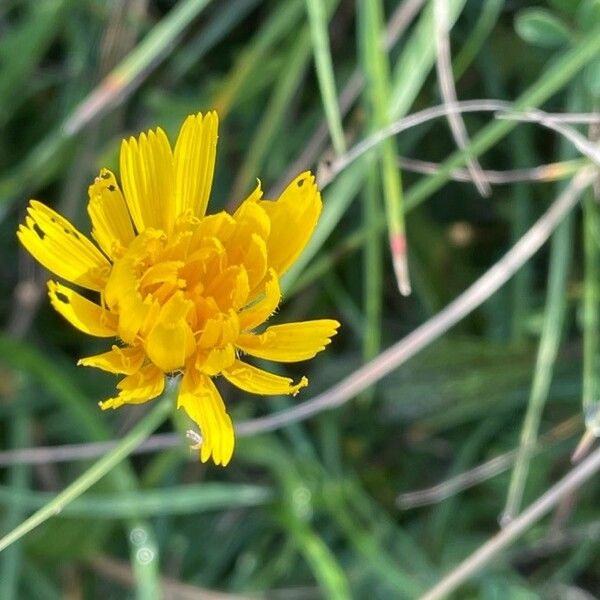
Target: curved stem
(137, 435)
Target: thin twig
(400, 21)
(583, 144)
(68, 452)
(484, 471)
(420, 117)
(533, 513)
(445, 77)
(542, 173)
(394, 356)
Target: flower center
(183, 290)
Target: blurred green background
(313, 510)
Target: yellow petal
(230, 289)
(202, 265)
(220, 226)
(202, 402)
(247, 245)
(166, 271)
(122, 294)
(223, 329)
(147, 177)
(81, 312)
(256, 194)
(256, 381)
(171, 340)
(194, 157)
(293, 219)
(250, 214)
(216, 360)
(290, 342)
(125, 361)
(136, 316)
(57, 245)
(138, 388)
(264, 307)
(251, 252)
(111, 224)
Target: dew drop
(138, 536)
(145, 555)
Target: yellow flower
(182, 290)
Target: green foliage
(542, 28)
(310, 510)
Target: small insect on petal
(195, 437)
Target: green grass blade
(490, 12)
(367, 546)
(293, 520)
(273, 115)
(345, 188)
(554, 318)
(417, 60)
(284, 18)
(41, 163)
(591, 316)
(411, 70)
(522, 217)
(57, 381)
(317, 16)
(131, 440)
(375, 68)
(174, 500)
(147, 54)
(372, 266)
(215, 31)
(325, 567)
(377, 91)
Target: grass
(310, 509)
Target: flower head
(183, 291)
